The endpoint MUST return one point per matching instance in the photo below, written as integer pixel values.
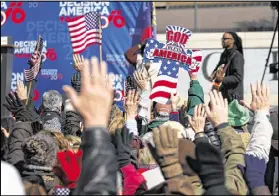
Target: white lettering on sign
(27, 47)
(81, 8)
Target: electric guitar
(223, 68)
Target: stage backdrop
(123, 23)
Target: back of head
(52, 101)
(59, 139)
(238, 115)
(40, 150)
(74, 141)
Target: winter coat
(40, 175)
(232, 84)
(99, 165)
(21, 131)
(233, 150)
(132, 179)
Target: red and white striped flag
(85, 31)
(196, 62)
(34, 62)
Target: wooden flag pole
(29, 89)
(100, 34)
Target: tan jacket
(233, 150)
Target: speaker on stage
(7, 54)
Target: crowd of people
(81, 143)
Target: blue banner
(123, 25)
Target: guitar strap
(229, 62)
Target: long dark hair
(237, 42)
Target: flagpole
(30, 84)
(100, 34)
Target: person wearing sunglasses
(229, 72)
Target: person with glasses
(229, 72)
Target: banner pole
(100, 34)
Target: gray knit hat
(52, 101)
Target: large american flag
(34, 62)
(166, 82)
(85, 31)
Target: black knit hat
(76, 81)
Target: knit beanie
(52, 125)
(40, 150)
(76, 81)
(52, 101)
(238, 115)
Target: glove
(70, 167)
(123, 146)
(254, 171)
(14, 104)
(72, 123)
(37, 126)
(209, 166)
(20, 112)
(166, 151)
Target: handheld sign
(172, 55)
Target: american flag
(34, 62)
(85, 31)
(196, 61)
(166, 82)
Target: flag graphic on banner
(34, 62)
(166, 82)
(85, 31)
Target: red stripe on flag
(160, 94)
(164, 83)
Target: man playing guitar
(229, 72)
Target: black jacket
(99, 165)
(21, 131)
(232, 85)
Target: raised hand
(21, 90)
(198, 120)
(95, 98)
(260, 98)
(131, 104)
(141, 80)
(174, 101)
(166, 151)
(123, 146)
(78, 62)
(218, 111)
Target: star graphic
(169, 73)
(165, 68)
